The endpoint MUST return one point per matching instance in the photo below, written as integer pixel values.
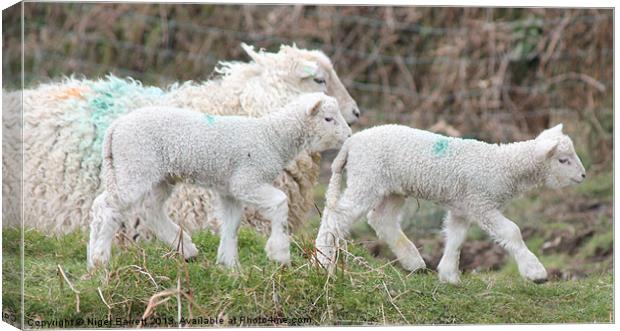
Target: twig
(77, 293)
(105, 303)
(318, 210)
(383, 313)
(153, 302)
(394, 304)
(578, 76)
(179, 305)
(140, 270)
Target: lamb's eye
(563, 161)
(319, 80)
(329, 119)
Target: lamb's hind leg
(229, 212)
(155, 217)
(336, 223)
(455, 230)
(385, 219)
(106, 218)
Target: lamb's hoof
(540, 281)
(189, 251)
(414, 265)
(229, 262)
(326, 263)
(535, 272)
(95, 261)
(421, 271)
(281, 257)
(277, 249)
(449, 277)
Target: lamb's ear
(306, 69)
(545, 148)
(257, 57)
(314, 107)
(551, 132)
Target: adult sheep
(64, 125)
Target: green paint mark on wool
(104, 101)
(108, 100)
(440, 148)
(209, 119)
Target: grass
(365, 290)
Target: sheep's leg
(385, 219)
(455, 231)
(273, 204)
(106, 221)
(336, 223)
(229, 212)
(163, 227)
(508, 235)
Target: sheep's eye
(563, 161)
(329, 119)
(319, 80)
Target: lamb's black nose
(583, 175)
(356, 112)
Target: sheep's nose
(583, 175)
(356, 112)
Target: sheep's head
(327, 127)
(306, 71)
(556, 151)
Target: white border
(474, 3)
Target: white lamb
(149, 150)
(473, 180)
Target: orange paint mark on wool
(72, 92)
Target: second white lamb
(473, 180)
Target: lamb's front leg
(273, 204)
(455, 230)
(508, 235)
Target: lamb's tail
(107, 166)
(333, 189)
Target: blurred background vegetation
(495, 74)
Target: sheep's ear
(551, 132)
(314, 108)
(306, 69)
(545, 148)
